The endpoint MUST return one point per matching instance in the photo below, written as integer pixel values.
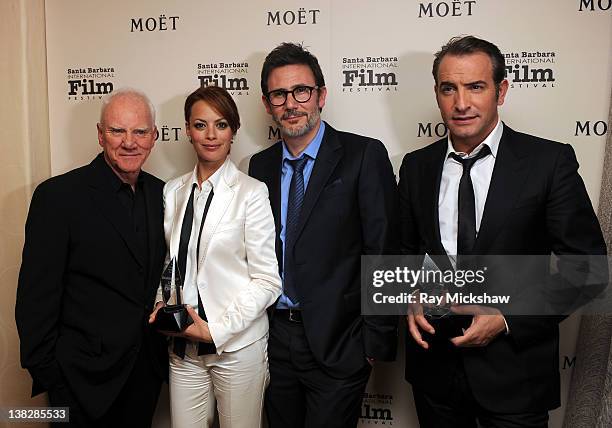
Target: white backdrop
(376, 57)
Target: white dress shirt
(200, 195)
(448, 200)
(448, 203)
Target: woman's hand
(153, 315)
(196, 332)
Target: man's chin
(294, 132)
(130, 167)
(462, 132)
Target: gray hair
(127, 92)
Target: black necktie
(294, 207)
(185, 235)
(179, 342)
(466, 232)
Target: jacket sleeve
(40, 286)
(378, 206)
(577, 240)
(264, 284)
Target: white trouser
(237, 379)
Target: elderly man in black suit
(334, 198)
(488, 190)
(92, 260)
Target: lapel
(224, 193)
(181, 197)
(431, 176)
(154, 225)
(507, 181)
(328, 157)
(271, 175)
(109, 205)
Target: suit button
(140, 271)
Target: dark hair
(219, 100)
(465, 45)
(290, 54)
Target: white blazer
(237, 274)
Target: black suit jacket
(536, 205)
(84, 295)
(350, 209)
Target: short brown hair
(219, 100)
(290, 54)
(466, 45)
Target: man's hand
(153, 315)
(416, 323)
(487, 323)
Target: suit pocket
(353, 300)
(530, 203)
(86, 343)
(336, 187)
(230, 225)
(332, 184)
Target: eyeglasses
(301, 94)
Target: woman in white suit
(230, 274)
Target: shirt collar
(492, 141)
(213, 180)
(311, 150)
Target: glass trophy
(173, 316)
(435, 290)
(437, 310)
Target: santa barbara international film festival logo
(531, 69)
(369, 74)
(230, 75)
(89, 83)
(376, 409)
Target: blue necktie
(294, 207)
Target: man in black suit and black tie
(487, 190)
(334, 198)
(92, 261)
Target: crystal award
(438, 314)
(173, 316)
